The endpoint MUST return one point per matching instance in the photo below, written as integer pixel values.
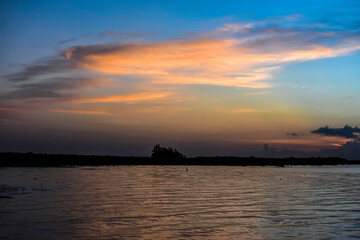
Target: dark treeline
(56, 160)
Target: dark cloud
(73, 39)
(67, 41)
(45, 66)
(55, 88)
(346, 131)
(293, 134)
(64, 62)
(79, 53)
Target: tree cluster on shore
(159, 152)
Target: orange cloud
(214, 62)
(224, 62)
(306, 142)
(318, 52)
(91, 112)
(129, 98)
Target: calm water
(166, 202)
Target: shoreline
(10, 159)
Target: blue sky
(189, 71)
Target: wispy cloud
(86, 112)
(128, 98)
(256, 93)
(292, 134)
(311, 142)
(53, 88)
(247, 27)
(7, 113)
(348, 97)
(65, 41)
(247, 110)
(41, 68)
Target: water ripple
(166, 202)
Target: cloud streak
(53, 88)
(248, 110)
(82, 112)
(128, 98)
(42, 67)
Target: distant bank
(9, 159)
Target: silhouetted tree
(166, 153)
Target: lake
(168, 202)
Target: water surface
(168, 202)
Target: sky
(206, 77)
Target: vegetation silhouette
(159, 152)
(159, 157)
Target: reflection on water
(152, 202)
